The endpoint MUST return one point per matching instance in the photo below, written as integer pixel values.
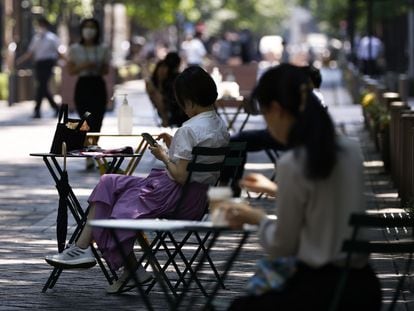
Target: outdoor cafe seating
(234, 84)
(158, 244)
(205, 232)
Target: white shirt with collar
(206, 129)
(364, 51)
(44, 46)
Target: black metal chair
(232, 157)
(173, 245)
(355, 244)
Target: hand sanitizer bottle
(216, 75)
(125, 117)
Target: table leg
(226, 269)
(80, 217)
(180, 298)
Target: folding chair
(234, 159)
(141, 147)
(162, 240)
(357, 245)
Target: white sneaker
(119, 287)
(72, 257)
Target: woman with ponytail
(319, 184)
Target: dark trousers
(370, 67)
(90, 95)
(256, 140)
(313, 289)
(43, 71)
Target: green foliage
(4, 86)
(53, 10)
(377, 113)
(263, 17)
(332, 12)
(152, 14)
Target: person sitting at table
(258, 140)
(156, 196)
(161, 93)
(320, 184)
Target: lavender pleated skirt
(131, 197)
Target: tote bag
(71, 131)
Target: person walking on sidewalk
(44, 50)
(89, 61)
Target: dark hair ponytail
(314, 130)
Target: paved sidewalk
(28, 202)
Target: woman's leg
(85, 237)
(78, 255)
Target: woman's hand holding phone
(150, 140)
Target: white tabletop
(152, 224)
(158, 225)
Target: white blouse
(79, 54)
(45, 46)
(206, 129)
(312, 216)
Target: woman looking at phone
(156, 196)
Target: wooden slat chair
(245, 75)
(356, 245)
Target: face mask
(88, 33)
(40, 30)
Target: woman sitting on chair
(160, 90)
(156, 196)
(320, 184)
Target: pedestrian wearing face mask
(43, 49)
(89, 60)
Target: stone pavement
(28, 202)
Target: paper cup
(218, 195)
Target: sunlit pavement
(28, 202)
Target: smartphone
(149, 139)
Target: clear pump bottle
(125, 117)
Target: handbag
(271, 275)
(71, 131)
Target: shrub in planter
(377, 118)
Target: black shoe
(56, 108)
(36, 115)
